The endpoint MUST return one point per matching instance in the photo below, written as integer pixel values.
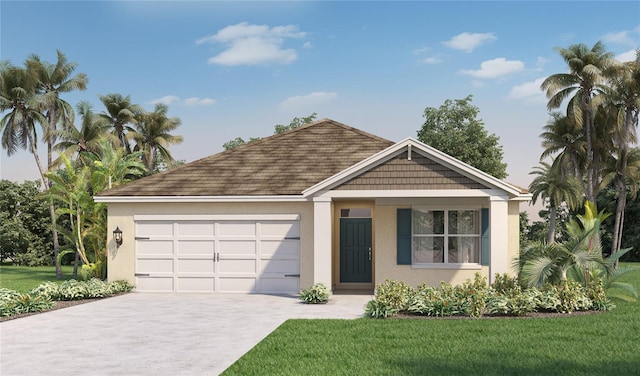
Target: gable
(402, 173)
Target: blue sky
(231, 69)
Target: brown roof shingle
(283, 164)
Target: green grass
(25, 278)
(597, 344)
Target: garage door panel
(283, 229)
(196, 229)
(155, 266)
(280, 249)
(237, 247)
(154, 247)
(279, 266)
(279, 285)
(186, 284)
(237, 266)
(155, 284)
(237, 284)
(237, 228)
(196, 247)
(146, 228)
(195, 266)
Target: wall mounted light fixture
(117, 236)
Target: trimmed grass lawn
(25, 278)
(593, 344)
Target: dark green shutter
(485, 249)
(404, 237)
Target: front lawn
(25, 278)
(580, 344)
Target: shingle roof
(283, 164)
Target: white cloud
(621, 37)
(627, 56)
(307, 45)
(420, 51)
(193, 101)
(469, 41)
(254, 44)
(432, 60)
(496, 68)
(307, 102)
(167, 99)
(529, 92)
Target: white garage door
(218, 253)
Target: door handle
(369, 253)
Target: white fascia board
(184, 199)
(417, 193)
(428, 151)
(217, 217)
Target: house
(322, 203)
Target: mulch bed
(58, 305)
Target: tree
(295, 123)
(586, 79)
(17, 96)
(623, 167)
(87, 139)
(455, 129)
(120, 114)
(75, 185)
(551, 186)
(152, 136)
(562, 138)
(622, 171)
(278, 128)
(25, 225)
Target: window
(355, 213)
(445, 236)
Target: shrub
(514, 302)
(75, 290)
(318, 293)
(378, 310)
(394, 294)
(14, 303)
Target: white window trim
(447, 265)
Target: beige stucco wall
(514, 233)
(385, 257)
(121, 261)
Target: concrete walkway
(154, 334)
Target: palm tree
(623, 171)
(152, 136)
(51, 80)
(86, 139)
(18, 126)
(120, 112)
(576, 257)
(583, 82)
(553, 187)
(562, 138)
(623, 100)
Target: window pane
(355, 213)
(464, 249)
(428, 222)
(428, 249)
(464, 222)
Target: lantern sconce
(117, 236)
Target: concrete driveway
(154, 334)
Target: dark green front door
(355, 250)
